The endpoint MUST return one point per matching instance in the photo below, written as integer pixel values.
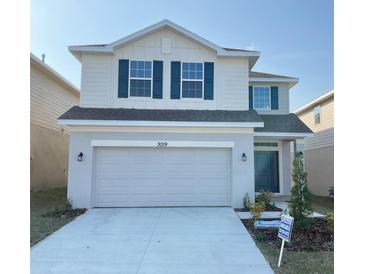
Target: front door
(267, 171)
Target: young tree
(300, 203)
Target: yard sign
(285, 229)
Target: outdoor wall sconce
(244, 158)
(80, 157)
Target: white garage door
(128, 177)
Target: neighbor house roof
(125, 114)
(165, 24)
(315, 102)
(256, 76)
(50, 71)
(283, 123)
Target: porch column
(295, 147)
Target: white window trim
(191, 80)
(139, 78)
(253, 97)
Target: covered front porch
(273, 158)
(273, 154)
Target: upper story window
(261, 98)
(140, 78)
(317, 114)
(192, 80)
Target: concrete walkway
(151, 240)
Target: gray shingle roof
(256, 74)
(272, 123)
(283, 123)
(79, 113)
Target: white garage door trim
(181, 145)
(162, 143)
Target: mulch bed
(268, 208)
(317, 237)
(63, 213)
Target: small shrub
(246, 201)
(261, 237)
(331, 192)
(330, 217)
(68, 204)
(256, 210)
(66, 211)
(264, 197)
(300, 203)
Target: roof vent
(43, 57)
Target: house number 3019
(161, 144)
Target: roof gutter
(292, 81)
(284, 135)
(76, 122)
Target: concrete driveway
(151, 240)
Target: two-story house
(318, 115)
(167, 118)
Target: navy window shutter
(274, 98)
(250, 97)
(208, 81)
(157, 79)
(175, 79)
(123, 73)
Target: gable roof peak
(165, 24)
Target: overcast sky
(295, 37)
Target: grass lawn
(298, 262)
(44, 202)
(322, 205)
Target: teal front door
(267, 171)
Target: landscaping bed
(65, 212)
(316, 237)
(49, 211)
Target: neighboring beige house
(50, 96)
(318, 115)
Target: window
(192, 80)
(317, 114)
(140, 78)
(261, 98)
(266, 144)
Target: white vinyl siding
(323, 138)
(96, 79)
(162, 177)
(100, 75)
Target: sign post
(285, 230)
